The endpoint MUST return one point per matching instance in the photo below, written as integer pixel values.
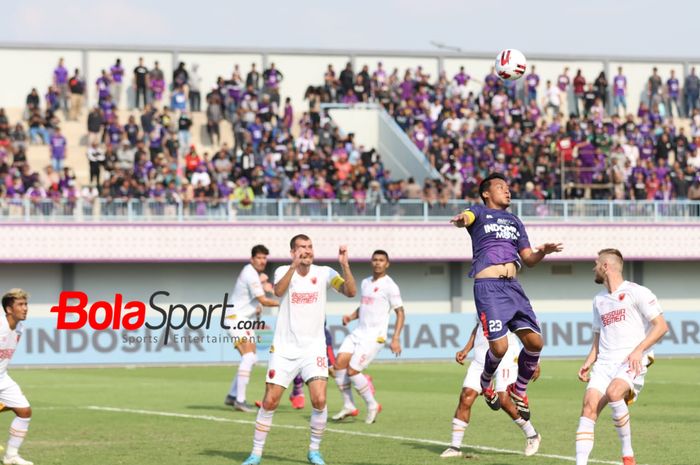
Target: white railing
(105, 210)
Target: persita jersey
(497, 237)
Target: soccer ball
(510, 64)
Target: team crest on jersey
(313, 280)
(622, 297)
(376, 289)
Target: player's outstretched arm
(464, 219)
(584, 372)
(349, 288)
(398, 327)
(462, 354)
(533, 257)
(265, 301)
(659, 327)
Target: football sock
(18, 431)
(526, 426)
(458, 428)
(527, 364)
(247, 361)
(363, 388)
(584, 440)
(319, 418)
(343, 381)
(263, 423)
(621, 418)
(490, 365)
(298, 388)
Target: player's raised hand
(343, 255)
(584, 373)
(395, 347)
(460, 356)
(459, 220)
(296, 257)
(551, 247)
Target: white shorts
(363, 350)
(506, 374)
(282, 371)
(240, 336)
(603, 373)
(11, 394)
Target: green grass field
(176, 415)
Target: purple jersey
(102, 86)
(117, 73)
(532, 81)
(58, 146)
(461, 78)
(497, 237)
(60, 75)
(673, 87)
(619, 84)
(563, 82)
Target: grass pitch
(176, 415)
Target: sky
(623, 28)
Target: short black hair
(293, 242)
(381, 252)
(259, 250)
(486, 183)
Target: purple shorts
(502, 305)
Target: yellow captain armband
(470, 217)
(337, 282)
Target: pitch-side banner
(434, 336)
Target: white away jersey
(379, 298)
(481, 345)
(8, 342)
(622, 318)
(302, 313)
(245, 293)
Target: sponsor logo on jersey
(304, 297)
(367, 300)
(6, 353)
(613, 317)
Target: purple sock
(527, 364)
(298, 388)
(490, 365)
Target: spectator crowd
(571, 138)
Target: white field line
(332, 430)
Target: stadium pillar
(455, 287)
(85, 64)
(67, 276)
(637, 272)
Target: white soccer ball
(510, 64)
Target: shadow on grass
(239, 457)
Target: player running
(248, 296)
(380, 295)
(505, 375)
(627, 322)
(299, 344)
(499, 243)
(14, 302)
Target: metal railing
(135, 210)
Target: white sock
(362, 386)
(458, 428)
(247, 361)
(18, 431)
(263, 424)
(621, 418)
(584, 440)
(319, 418)
(526, 426)
(343, 381)
(234, 386)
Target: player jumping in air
(499, 243)
(471, 388)
(14, 302)
(627, 322)
(380, 295)
(248, 295)
(299, 344)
